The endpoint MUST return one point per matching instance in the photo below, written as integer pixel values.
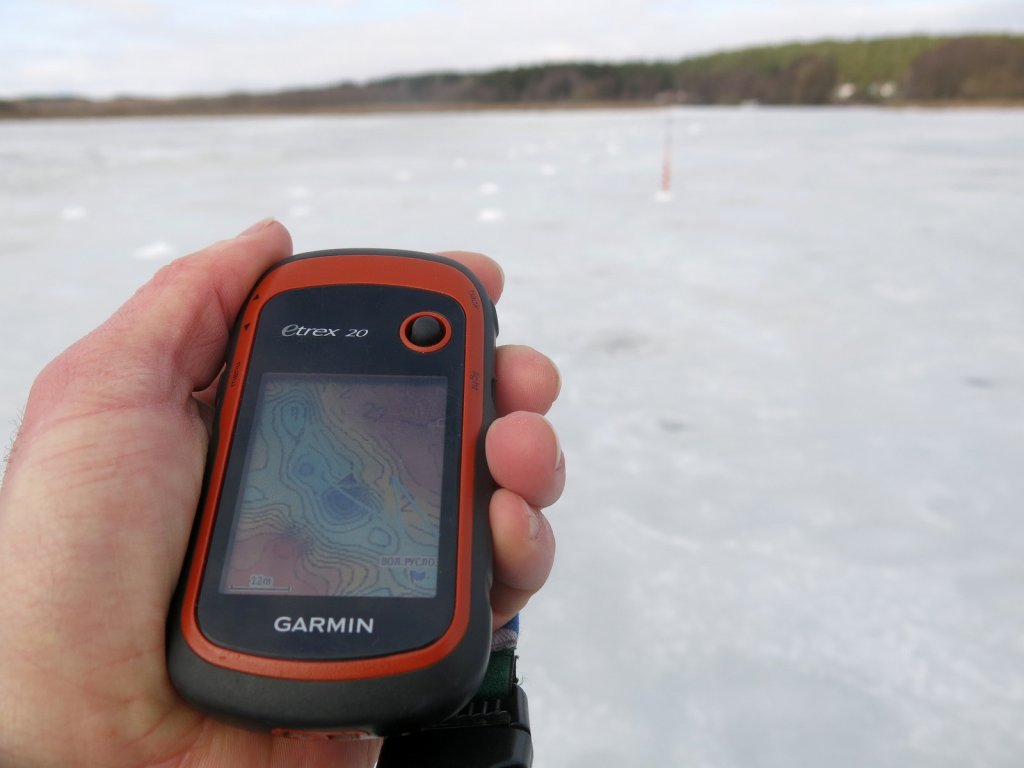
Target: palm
(105, 668)
(207, 742)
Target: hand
(98, 501)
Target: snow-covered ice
(793, 403)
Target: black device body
(337, 579)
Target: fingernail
(558, 379)
(501, 271)
(261, 224)
(559, 456)
(532, 520)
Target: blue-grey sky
(169, 47)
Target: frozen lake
(793, 408)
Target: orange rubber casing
(462, 650)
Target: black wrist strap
(492, 731)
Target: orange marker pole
(666, 162)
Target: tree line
(967, 69)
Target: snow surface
(793, 402)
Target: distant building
(845, 91)
(886, 90)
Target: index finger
(486, 269)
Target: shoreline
(114, 110)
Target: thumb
(168, 340)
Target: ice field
(793, 402)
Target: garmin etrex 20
(338, 573)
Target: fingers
(525, 456)
(485, 268)
(524, 550)
(526, 380)
(526, 460)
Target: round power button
(425, 332)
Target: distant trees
(577, 82)
(986, 67)
(808, 79)
(969, 68)
(917, 67)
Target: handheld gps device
(337, 578)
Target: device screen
(340, 494)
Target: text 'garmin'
(343, 625)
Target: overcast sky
(170, 47)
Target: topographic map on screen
(341, 491)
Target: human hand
(98, 500)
